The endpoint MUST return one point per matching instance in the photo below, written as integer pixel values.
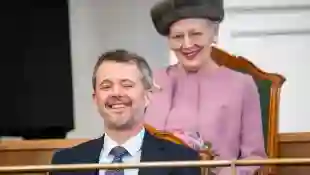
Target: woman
(199, 97)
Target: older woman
(196, 98)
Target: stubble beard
(128, 125)
(119, 124)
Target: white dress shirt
(133, 146)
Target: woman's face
(191, 40)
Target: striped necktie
(118, 152)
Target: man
(122, 84)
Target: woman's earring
(214, 43)
(215, 39)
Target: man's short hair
(124, 56)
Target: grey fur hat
(166, 12)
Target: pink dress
(222, 106)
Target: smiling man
(122, 83)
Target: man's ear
(148, 98)
(94, 97)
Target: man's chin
(113, 114)
(121, 127)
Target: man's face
(120, 95)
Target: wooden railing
(221, 163)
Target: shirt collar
(133, 145)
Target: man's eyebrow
(122, 80)
(104, 81)
(127, 80)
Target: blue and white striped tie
(118, 152)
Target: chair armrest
(207, 154)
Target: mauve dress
(222, 105)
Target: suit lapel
(91, 154)
(152, 150)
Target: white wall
(277, 39)
(98, 25)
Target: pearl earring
(215, 39)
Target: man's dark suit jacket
(153, 149)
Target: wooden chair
(205, 154)
(269, 87)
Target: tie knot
(119, 151)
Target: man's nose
(117, 90)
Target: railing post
(233, 168)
